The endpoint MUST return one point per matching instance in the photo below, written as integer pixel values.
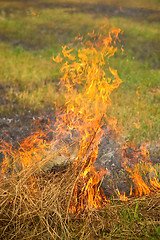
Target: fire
(87, 90)
(141, 170)
(121, 196)
(35, 14)
(86, 84)
(30, 152)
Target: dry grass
(35, 205)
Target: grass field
(31, 33)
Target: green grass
(29, 75)
(29, 80)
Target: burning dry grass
(36, 206)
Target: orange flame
(87, 92)
(86, 88)
(141, 170)
(29, 153)
(35, 14)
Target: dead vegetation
(35, 205)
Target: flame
(86, 87)
(35, 14)
(30, 152)
(121, 196)
(86, 84)
(87, 90)
(137, 91)
(141, 170)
